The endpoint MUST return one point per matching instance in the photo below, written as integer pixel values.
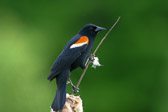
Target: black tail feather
(60, 97)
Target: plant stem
(95, 52)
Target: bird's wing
(80, 62)
(83, 40)
(69, 55)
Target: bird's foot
(75, 89)
(91, 57)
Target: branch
(95, 52)
(72, 104)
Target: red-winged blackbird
(73, 55)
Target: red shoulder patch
(83, 40)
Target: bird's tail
(60, 97)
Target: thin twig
(95, 52)
(82, 74)
(106, 36)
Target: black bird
(73, 55)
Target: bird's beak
(99, 29)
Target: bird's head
(90, 30)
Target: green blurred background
(134, 75)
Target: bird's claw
(91, 57)
(75, 89)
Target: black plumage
(73, 55)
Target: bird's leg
(75, 89)
(90, 58)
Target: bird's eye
(92, 28)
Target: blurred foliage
(134, 75)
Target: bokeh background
(134, 75)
